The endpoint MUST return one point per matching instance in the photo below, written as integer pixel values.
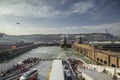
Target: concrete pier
(9, 53)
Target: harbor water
(44, 53)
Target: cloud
(113, 28)
(25, 8)
(72, 29)
(53, 8)
(82, 7)
(55, 14)
(42, 8)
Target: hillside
(54, 37)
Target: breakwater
(9, 53)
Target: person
(79, 75)
(1, 74)
(33, 78)
(83, 79)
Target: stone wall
(104, 57)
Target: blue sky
(59, 16)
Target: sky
(59, 16)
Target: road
(43, 68)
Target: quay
(106, 58)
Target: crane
(1, 35)
(107, 31)
(111, 36)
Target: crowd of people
(31, 60)
(14, 69)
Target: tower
(63, 42)
(79, 39)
